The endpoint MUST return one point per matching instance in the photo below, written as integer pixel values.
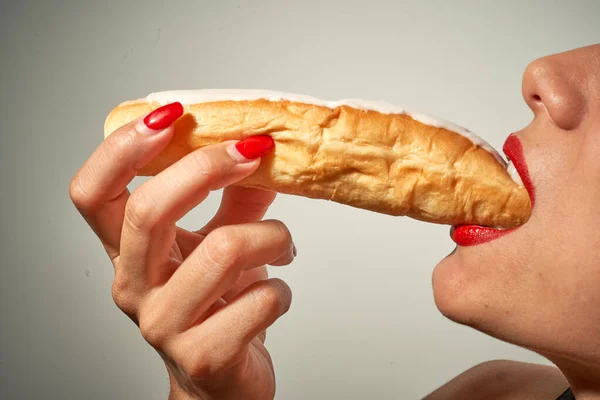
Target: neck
(583, 376)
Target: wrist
(173, 395)
(176, 392)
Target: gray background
(363, 323)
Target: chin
(468, 284)
(465, 294)
(490, 288)
(481, 278)
(451, 292)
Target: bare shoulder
(503, 379)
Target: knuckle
(274, 297)
(285, 293)
(205, 165)
(78, 195)
(197, 367)
(122, 297)
(152, 328)
(118, 298)
(205, 359)
(283, 241)
(282, 231)
(140, 210)
(224, 247)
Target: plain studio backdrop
(363, 324)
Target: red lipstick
(470, 235)
(514, 151)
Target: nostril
(555, 86)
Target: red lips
(514, 150)
(470, 235)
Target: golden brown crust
(387, 163)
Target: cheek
(554, 168)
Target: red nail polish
(164, 116)
(255, 146)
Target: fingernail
(294, 250)
(161, 118)
(252, 148)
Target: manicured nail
(160, 119)
(251, 148)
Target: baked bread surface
(388, 163)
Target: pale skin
(203, 300)
(538, 286)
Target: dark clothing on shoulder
(567, 395)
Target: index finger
(99, 188)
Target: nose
(553, 85)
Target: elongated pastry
(373, 156)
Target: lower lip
(471, 235)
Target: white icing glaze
(213, 95)
(514, 174)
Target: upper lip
(513, 149)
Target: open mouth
(470, 235)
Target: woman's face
(539, 286)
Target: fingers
(246, 278)
(99, 189)
(213, 268)
(154, 208)
(240, 205)
(222, 340)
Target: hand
(202, 299)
